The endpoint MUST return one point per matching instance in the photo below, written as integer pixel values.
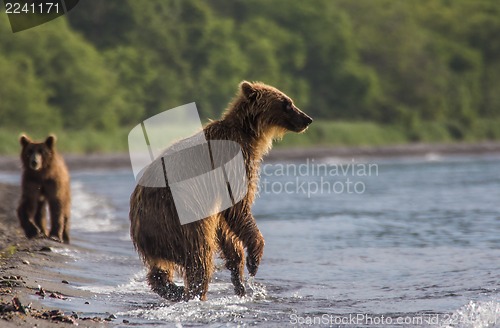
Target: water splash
(259, 290)
(220, 307)
(228, 308)
(475, 315)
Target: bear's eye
(287, 104)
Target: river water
(411, 242)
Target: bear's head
(37, 155)
(270, 110)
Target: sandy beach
(27, 265)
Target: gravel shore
(29, 275)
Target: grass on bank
(320, 133)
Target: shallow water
(417, 243)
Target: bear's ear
(248, 90)
(24, 140)
(50, 141)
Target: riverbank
(122, 160)
(417, 149)
(30, 276)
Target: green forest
(368, 72)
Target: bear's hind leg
(197, 276)
(233, 252)
(160, 280)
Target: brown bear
(258, 114)
(45, 181)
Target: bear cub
(45, 181)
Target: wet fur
(253, 119)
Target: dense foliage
(112, 63)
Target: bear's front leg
(66, 229)
(255, 250)
(56, 220)
(234, 254)
(26, 213)
(246, 229)
(40, 217)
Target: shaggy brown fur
(45, 180)
(258, 114)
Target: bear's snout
(303, 122)
(36, 162)
(307, 120)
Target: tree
(80, 87)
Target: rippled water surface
(418, 241)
